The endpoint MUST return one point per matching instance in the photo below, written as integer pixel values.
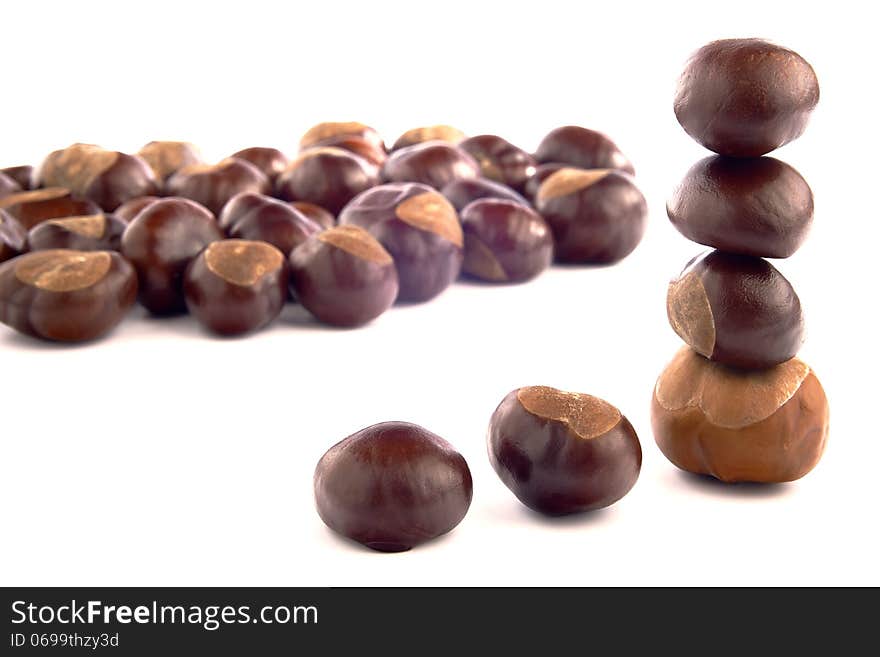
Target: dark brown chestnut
(94, 232)
(109, 178)
(500, 160)
(130, 209)
(420, 229)
(33, 207)
(737, 310)
(66, 295)
(429, 133)
(467, 190)
(359, 146)
(250, 216)
(434, 163)
(745, 97)
(212, 185)
(597, 216)
(13, 236)
(324, 133)
(8, 185)
(563, 452)
(392, 486)
(160, 242)
(758, 207)
(582, 148)
(326, 176)
(236, 286)
(343, 276)
(505, 242)
(270, 161)
(542, 172)
(316, 213)
(168, 157)
(21, 174)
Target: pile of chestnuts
(346, 228)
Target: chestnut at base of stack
(764, 426)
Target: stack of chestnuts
(736, 403)
(346, 228)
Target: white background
(162, 456)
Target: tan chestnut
(765, 426)
(169, 157)
(34, 207)
(429, 133)
(324, 134)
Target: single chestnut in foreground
(597, 216)
(66, 295)
(421, 231)
(94, 232)
(212, 185)
(465, 191)
(33, 207)
(429, 133)
(434, 163)
(582, 148)
(754, 206)
(745, 97)
(160, 242)
(505, 242)
(250, 216)
(392, 486)
(500, 160)
(109, 178)
(270, 161)
(737, 310)
(326, 176)
(563, 452)
(13, 236)
(236, 286)
(766, 426)
(343, 276)
(169, 157)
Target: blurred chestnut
(563, 452)
(737, 310)
(22, 174)
(326, 176)
(582, 148)
(421, 231)
(759, 207)
(129, 210)
(250, 216)
(169, 157)
(429, 133)
(94, 232)
(8, 185)
(109, 178)
(745, 97)
(505, 242)
(33, 207)
(467, 190)
(542, 172)
(160, 242)
(13, 236)
(359, 146)
(500, 160)
(270, 161)
(433, 163)
(766, 426)
(343, 276)
(597, 216)
(392, 486)
(316, 213)
(236, 286)
(212, 185)
(324, 133)
(66, 295)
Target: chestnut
(236, 286)
(66, 295)
(130, 209)
(8, 185)
(250, 216)
(745, 97)
(324, 133)
(434, 163)
(343, 276)
(582, 148)
(505, 242)
(270, 161)
(392, 486)
(316, 213)
(13, 237)
(326, 176)
(21, 174)
(160, 242)
(542, 172)
(33, 207)
(168, 157)
(212, 185)
(94, 232)
(500, 160)
(429, 133)
(759, 207)
(737, 310)
(109, 178)
(359, 146)
(767, 426)
(597, 216)
(563, 452)
(467, 190)
(420, 229)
